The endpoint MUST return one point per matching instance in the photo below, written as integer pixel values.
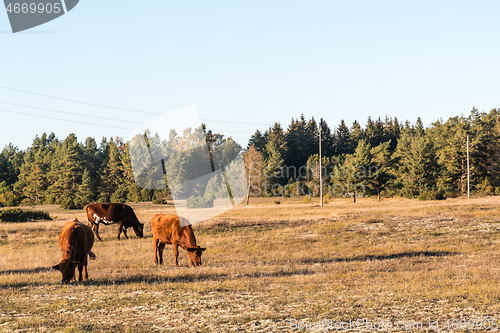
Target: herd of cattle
(76, 239)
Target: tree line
(69, 173)
(385, 157)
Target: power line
(110, 126)
(84, 123)
(104, 118)
(123, 109)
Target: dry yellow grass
(395, 260)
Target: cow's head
(194, 254)
(67, 268)
(139, 230)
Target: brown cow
(167, 230)
(76, 240)
(111, 213)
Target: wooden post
(468, 182)
(320, 169)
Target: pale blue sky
(249, 62)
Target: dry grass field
(398, 261)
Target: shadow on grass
(401, 255)
(109, 238)
(237, 225)
(27, 271)
(193, 277)
(190, 278)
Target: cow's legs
(80, 269)
(85, 273)
(155, 241)
(176, 253)
(125, 232)
(161, 246)
(120, 227)
(95, 228)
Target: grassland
(397, 260)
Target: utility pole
(468, 183)
(320, 169)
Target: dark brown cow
(111, 213)
(167, 230)
(76, 240)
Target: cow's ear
(57, 267)
(202, 249)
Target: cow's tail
(92, 255)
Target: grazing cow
(111, 213)
(76, 240)
(167, 230)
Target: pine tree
(418, 169)
(133, 191)
(356, 173)
(66, 172)
(374, 132)
(11, 159)
(295, 140)
(381, 161)
(111, 173)
(274, 174)
(392, 131)
(32, 182)
(449, 140)
(85, 194)
(356, 135)
(419, 127)
(483, 146)
(258, 140)
(312, 140)
(343, 139)
(276, 135)
(327, 140)
(92, 165)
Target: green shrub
(146, 195)
(485, 188)
(432, 195)
(19, 215)
(200, 202)
(159, 198)
(8, 199)
(68, 203)
(120, 195)
(103, 199)
(452, 194)
(307, 199)
(13, 215)
(37, 215)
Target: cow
(167, 229)
(76, 240)
(111, 213)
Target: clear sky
(246, 65)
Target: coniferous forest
(385, 157)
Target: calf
(111, 213)
(76, 240)
(167, 230)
